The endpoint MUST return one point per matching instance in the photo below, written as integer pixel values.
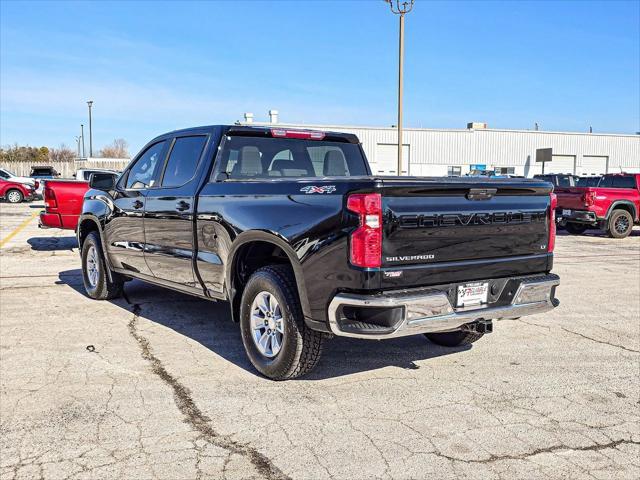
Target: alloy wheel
(621, 225)
(14, 197)
(267, 324)
(93, 268)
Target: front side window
(183, 160)
(143, 172)
(260, 157)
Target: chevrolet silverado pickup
(290, 227)
(613, 205)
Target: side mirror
(102, 181)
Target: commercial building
(435, 152)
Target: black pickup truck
(292, 229)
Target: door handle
(138, 204)
(181, 206)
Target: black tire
(576, 228)
(620, 224)
(454, 339)
(98, 287)
(14, 196)
(301, 347)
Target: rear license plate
(472, 294)
(566, 212)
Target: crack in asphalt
(538, 451)
(600, 341)
(193, 415)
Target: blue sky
(151, 67)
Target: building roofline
(411, 129)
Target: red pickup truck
(614, 205)
(63, 199)
(62, 203)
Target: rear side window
(260, 157)
(143, 172)
(624, 182)
(615, 181)
(183, 160)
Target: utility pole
(400, 8)
(90, 103)
(78, 146)
(82, 136)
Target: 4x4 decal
(316, 189)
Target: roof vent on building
(248, 117)
(476, 125)
(273, 116)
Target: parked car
(292, 229)
(63, 200)
(12, 177)
(15, 192)
(613, 206)
(85, 173)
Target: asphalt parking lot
(157, 385)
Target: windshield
(260, 157)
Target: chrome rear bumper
(432, 312)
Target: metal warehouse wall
(432, 151)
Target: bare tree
(62, 154)
(118, 149)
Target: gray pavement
(157, 385)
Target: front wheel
(454, 339)
(15, 196)
(277, 341)
(94, 271)
(620, 224)
(576, 228)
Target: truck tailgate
(426, 222)
(572, 198)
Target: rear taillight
(50, 198)
(589, 198)
(366, 240)
(552, 223)
(36, 185)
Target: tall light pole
(400, 8)
(90, 103)
(78, 146)
(82, 136)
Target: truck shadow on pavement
(50, 244)
(209, 324)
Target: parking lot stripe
(17, 229)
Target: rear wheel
(620, 224)
(94, 271)
(14, 196)
(576, 228)
(454, 339)
(277, 340)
